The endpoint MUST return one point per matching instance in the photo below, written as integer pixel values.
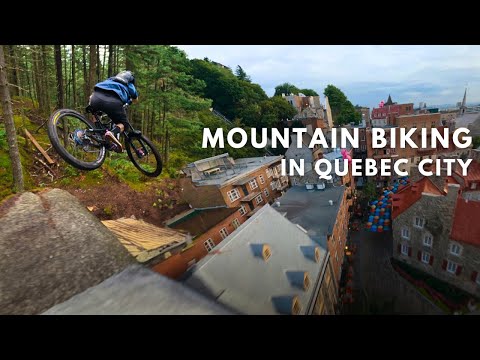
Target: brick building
(247, 183)
(324, 214)
(386, 114)
(269, 266)
(436, 228)
(208, 227)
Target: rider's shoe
(114, 141)
(78, 136)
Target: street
(377, 288)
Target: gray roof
(138, 291)
(237, 277)
(311, 209)
(229, 170)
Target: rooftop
(261, 267)
(138, 291)
(142, 240)
(466, 227)
(198, 221)
(311, 209)
(221, 170)
(418, 115)
(410, 194)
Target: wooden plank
(37, 145)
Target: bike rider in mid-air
(111, 96)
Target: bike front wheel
(144, 155)
(72, 137)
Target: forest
(176, 95)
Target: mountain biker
(110, 96)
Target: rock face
(52, 248)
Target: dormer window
(266, 253)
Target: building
(365, 111)
(222, 181)
(208, 227)
(436, 228)
(414, 156)
(321, 114)
(148, 244)
(309, 155)
(268, 266)
(324, 214)
(386, 113)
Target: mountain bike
(83, 144)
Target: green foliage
(476, 142)
(287, 89)
(369, 191)
(241, 74)
(343, 111)
(3, 140)
(308, 92)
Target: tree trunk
(36, 77)
(85, 78)
(45, 76)
(10, 126)
(74, 84)
(31, 87)
(93, 67)
(110, 61)
(66, 96)
(104, 60)
(14, 71)
(98, 63)
(58, 67)
(117, 59)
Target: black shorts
(109, 102)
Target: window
(262, 179)
(474, 186)
(265, 192)
(363, 147)
(273, 185)
(233, 195)
(269, 173)
(253, 184)
(418, 222)
(455, 249)
(224, 233)
(427, 240)
(363, 137)
(259, 199)
(243, 210)
(404, 249)
(425, 257)
(209, 244)
(451, 267)
(414, 125)
(235, 223)
(405, 233)
(434, 124)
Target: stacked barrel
(380, 217)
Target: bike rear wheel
(71, 135)
(144, 155)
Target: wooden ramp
(144, 241)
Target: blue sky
(365, 73)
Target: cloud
(366, 73)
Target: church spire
(389, 101)
(464, 102)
